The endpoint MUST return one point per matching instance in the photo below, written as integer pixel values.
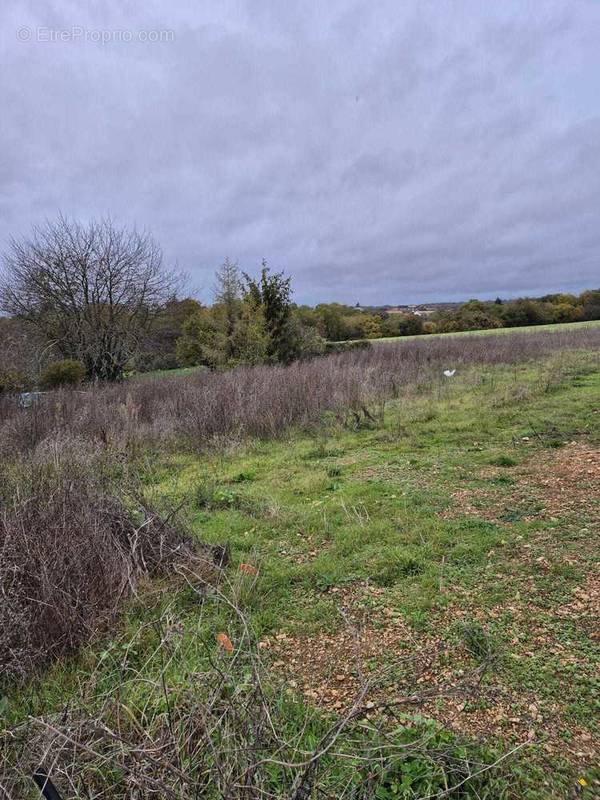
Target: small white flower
(449, 372)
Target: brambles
(67, 372)
(73, 542)
(225, 726)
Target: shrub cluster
(343, 347)
(66, 372)
(72, 545)
(13, 381)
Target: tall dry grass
(190, 412)
(74, 541)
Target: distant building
(423, 312)
(418, 311)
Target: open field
(559, 326)
(539, 329)
(432, 552)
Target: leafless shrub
(226, 728)
(194, 411)
(89, 289)
(71, 547)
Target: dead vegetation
(74, 541)
(227, 729)
(194, 411)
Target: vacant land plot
(435, 557)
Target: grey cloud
(383, 152)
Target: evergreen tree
(272, 293)
(228, 294)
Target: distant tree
(565, 312)
(251, 322)
(590, 304)
(228, 293)
(332, 321)
(158, 349)
(272, 293)
(370, 325)
(203, 341)
(471, 316)
(249, 343)
(402, 325)
(91, 289)
(308, 317)
(526, 312)
(558, 298)
(412, 325)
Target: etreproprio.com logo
(79, 33)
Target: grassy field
(444, 552)
(559, 326)
(566, 326)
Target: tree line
(337, 322)
(95, 301)
(549, 309)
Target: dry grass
(72, 545)
(229, 730)
(193, 411)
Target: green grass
(322, 515)
(167, 373)
(557, 326)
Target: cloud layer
(379, 152)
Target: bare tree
(91, 289)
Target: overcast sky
(380, 152)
